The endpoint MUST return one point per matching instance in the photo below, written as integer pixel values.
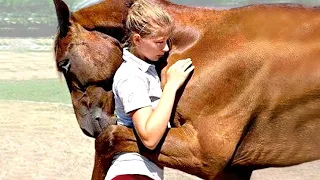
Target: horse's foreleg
(183, 149)
(100, 167)
(113, 139)
(180, 149)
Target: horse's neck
(109, 14)
(112, 13)
(108, 17)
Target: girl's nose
(166, 48)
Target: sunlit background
(39, 135)
(27, 29)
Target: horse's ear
(63, 15)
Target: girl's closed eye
(160, 42)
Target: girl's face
(151, 47)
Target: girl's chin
(154, 59)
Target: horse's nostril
(97, 118)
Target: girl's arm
(151, 124)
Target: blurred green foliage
(29, 17)
(39, 90)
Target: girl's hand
(178, 73)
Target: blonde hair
(146, 18)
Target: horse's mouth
(94, 127)
(87, 133)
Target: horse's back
(262, 61)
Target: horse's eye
(64, 65)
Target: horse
(252, 102)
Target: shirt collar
(129, 57)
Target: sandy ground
(27, 65)
(44, 141)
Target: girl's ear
(136, 38)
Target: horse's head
(88, 61)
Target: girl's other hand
(178, 73)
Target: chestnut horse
(253, 100)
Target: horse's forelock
(80, 54)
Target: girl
(140, 102)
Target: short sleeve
(133, 92)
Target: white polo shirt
(136, 84)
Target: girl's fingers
(182, 62)
(181, 65)
(187, 71)
(186, 65)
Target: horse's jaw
(92, 121)
(93, 127)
